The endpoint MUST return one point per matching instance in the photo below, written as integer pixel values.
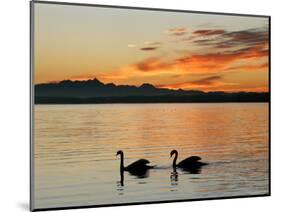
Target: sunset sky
(167, 49)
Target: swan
(192, 163)
(138, 168)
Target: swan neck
(175, 160)
(122, 162)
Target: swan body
(189, 163)
(139, 164)
(138, 167)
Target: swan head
(173, 152)
(120, 152)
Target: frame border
(31, 106)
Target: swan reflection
(174, 178)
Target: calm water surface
(75, 147)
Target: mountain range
(95, 91)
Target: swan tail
(204, 163)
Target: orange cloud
(233, 39)
(177, 31)
(151, 45)
(216, 85)
(206, 81)
(249, 67)
(152, 64)
(209, 32)
(210, 81)
(148, 48)
(211, 62)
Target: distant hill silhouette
(94, 91)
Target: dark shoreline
(207, 98)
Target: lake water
(76, 145)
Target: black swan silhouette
(191, 164)
(138, 168)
